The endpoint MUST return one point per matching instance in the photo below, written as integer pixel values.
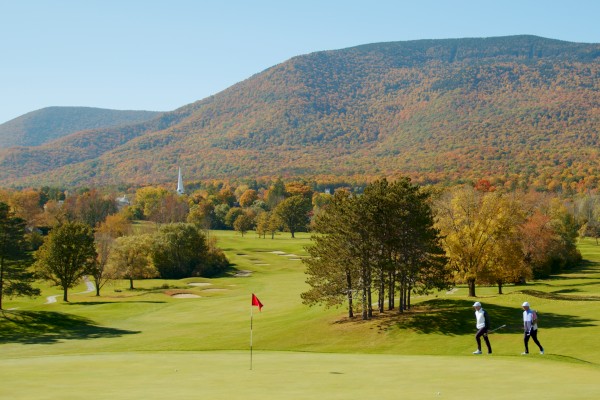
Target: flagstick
(251, 307)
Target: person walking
(531, 328)
(483, 324)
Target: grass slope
(146, 343)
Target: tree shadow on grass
(564, 281)
(594, 282)
(557, 295)
(456, 317)
(584, 267)
(98, 303)
(48, 327)
(562, 291)
(227, 272)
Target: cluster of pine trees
(382, 240)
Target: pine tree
(383, 239)
(15, 276)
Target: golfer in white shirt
(482, 324)
(530, 327)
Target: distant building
(180, 189)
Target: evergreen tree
(15, 276)
(332, 268)
(382, 239)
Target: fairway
(149, 343)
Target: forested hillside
(43, 126)
(520, 111)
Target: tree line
(398, 238)
(278, 207)
(62, 236)
(388, 239)
(73, 250)
(95, 240)
(494, 237)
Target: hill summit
(519, 110)
(50, 123)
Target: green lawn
(146, 343)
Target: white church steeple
(180, 189)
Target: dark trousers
(533, 335)
(480, 333)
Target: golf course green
(190, 338)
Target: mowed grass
(148, 344)
(284, 375)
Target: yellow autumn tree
(507, 259)
(480, 233)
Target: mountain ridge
(516, 109)
(50, 123)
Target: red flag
(256, 302)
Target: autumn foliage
(520, 112)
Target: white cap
(526, 304)
(477, 304)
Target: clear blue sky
(160, 55)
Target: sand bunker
(284, 254)
(243, 273)
(185, 296)
(199, 284)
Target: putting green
(290, 375)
